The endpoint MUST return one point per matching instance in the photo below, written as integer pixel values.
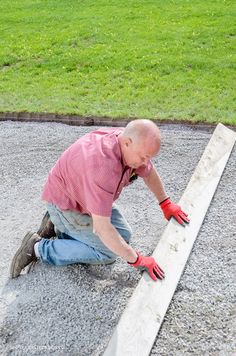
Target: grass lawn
(160, 59)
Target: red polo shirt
(90, 175)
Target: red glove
(148, 264)
(170, 209)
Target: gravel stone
(72, 310)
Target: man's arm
(169, 209)
(112, 240)
(154, 183)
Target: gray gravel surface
(72, 310)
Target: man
(80, 192)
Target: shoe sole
(24, 241)
(45, 218)
(42, 226)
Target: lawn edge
(77, 120)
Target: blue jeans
(76, 241)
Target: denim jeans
(76, 241)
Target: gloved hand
(170, 209)
(145, 263)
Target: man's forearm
(112, 240)
(154, 183)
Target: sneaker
(24, 255)
(46, 229)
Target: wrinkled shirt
(90, 175)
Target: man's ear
(128, 141)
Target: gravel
(72, 310)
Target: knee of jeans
(109, 260)
(108, 257)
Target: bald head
(140, 138)
(143, 132)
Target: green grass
(127, 58)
